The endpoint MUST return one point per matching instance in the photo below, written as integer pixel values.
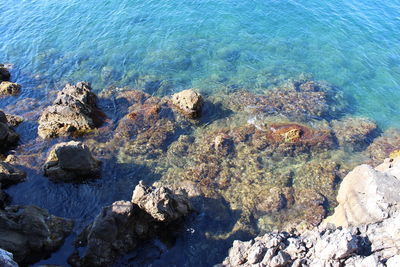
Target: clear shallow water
(165, 46)
(211, 45)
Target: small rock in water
(9, 88)
(4, 73)
(71, 161)
(188, 102)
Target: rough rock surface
(369, 208)
(188, 102)
(10, 175)
(354, 133)
(120, 227)
(9, 88)
(8, 137)
(14, 120)
(74, 112)
(71, 161)
(31, 233)
(6, 259)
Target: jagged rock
(8, 137)
(71, 161)
(14, 120)
(9, 88)
(160, 202)
(31, 233)
(367, 195)
(188, 102)
(10, 175)
(354, 133)
(74, 112)
(4, 73)
(6, 259)
(120, 227)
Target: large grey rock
(6, 259)
(71, 161)
(119, 228)
(31, 233)
(74, 112)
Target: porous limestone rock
(9, 88)
(119, 228)
(71, 161)
(74, 112)
(188, 102)
(31, 233)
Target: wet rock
(384, 145)
(160, 203)
(8, 137)
(74, 112)
(9, 88)
(119, 228)
(188, 102)
(31, 233)
(4, 73)
(10, 175)
(71, 161)
(14, 120)
(6, 259)
(354, 133)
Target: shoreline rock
(8, 137)
(74, 112)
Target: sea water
(205, 44)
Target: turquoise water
(164, 46)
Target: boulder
(119, 228)
(31, 233)
(71, 161)
(188, 102)
(74, 112)
(160, 202)
(368, 195)
(8, 137)
(4, 73)
(10, 175)
(6, 259)
(9, 88)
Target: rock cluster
(71, 161)
(7, 88)
(31, 233)
(369, 209)
(74, 112)
(119, 228)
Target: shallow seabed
(222, 48)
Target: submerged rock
(119, 228)
(188, 102)
(31, 233)
(74, 112)
(71, 161)
(6, 259)
(9, 88)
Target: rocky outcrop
(71, 161)
(369, 210)
(119, 228)
(74, 112)
(188, 102)
(8, 137)
(6, 259)
(10, 175)
(31, 233)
